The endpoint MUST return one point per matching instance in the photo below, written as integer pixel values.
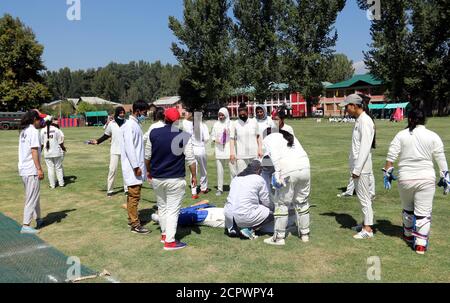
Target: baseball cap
(172, 114)
(352, 99)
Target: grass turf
(83, 222)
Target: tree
(21, 84)
(258, 41)
(204, 52)
(388, 58)
(310, 38)
(338, 68)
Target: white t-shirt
(245, 134)
(416, 151)
(113, 131)
(289, 129)
(360, 158)
(246, 201)
(55, 138)
(220, 134)
(29, 138)
(263, 125)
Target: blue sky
(122, 31)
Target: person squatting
(270, 177)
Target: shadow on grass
(345, 220)
(387, 228)
(226, 188)
(183, 231)
(55, 217)
(145, 215)
(69, 180)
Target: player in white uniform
(416, 147)
(245, 144)
(265, 123)
(52, 139)
(200, 136)
(30, 168)
(292, 180)
(360, 160)
(220, 137)
(113, 131)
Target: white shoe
(272, 242)
(343, 195)
(155, 218)
(363, 234)
(304, 238)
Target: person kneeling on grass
(248, 205)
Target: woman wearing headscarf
(220, 136)
(248, 204)
(113, 131)
(265, 123)
(292, 181)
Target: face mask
(141, 118)
(119, 120)
(243, 118)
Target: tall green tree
(311, 39)
(21, 84)
(338, 68)
(258, 33)
(204, 52)
(389, 58)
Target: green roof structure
(356, 79)
(389, 105)
(97, 114)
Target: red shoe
(163, 239)
(195, 197)
(174, 245)
(421, 249)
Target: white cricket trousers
(55, 165)
(113, 167)
(350, 187)
(32, 209)
(202, 165)
(220, 164)
(365, 190)
(417, 196)
(169, 196)
(294, 195)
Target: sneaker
(421, 249)
(194, 197)
(139, 230)
(163, 239)
(219, 193)
(174, 245)
(363, 234)
(109, 195)
(304, 238)
(28, 230)
(248, 233)
(271, 241)
(343, 195)
(357, 228)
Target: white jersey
(417, 150)
(360, 158)
(245, 135)
(263, 125)
(220, 135)
(245, 202)
(29, 138)
(289, 129)
(132, 147)
(55, 138)
(285, 159)
(113, 131)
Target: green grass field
(86, 224)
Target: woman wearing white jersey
(265, 123)
(200, 136)
(113, 131)
(416, 147)
(292, 179)
(52, 139)
(220, 137)
(360, 160)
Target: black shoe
(109, 195)
(140, 230)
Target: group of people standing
(269, 169)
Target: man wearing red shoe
(167, 152)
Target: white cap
(351, 99)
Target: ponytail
(288, 137)
(416, 117)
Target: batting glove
(445, 182)
(388, 177)
(277, 181)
